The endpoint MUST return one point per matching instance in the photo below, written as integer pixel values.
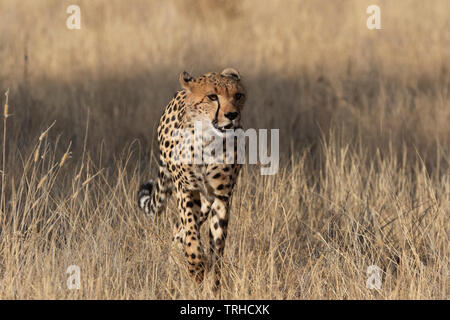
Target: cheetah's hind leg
(179, 235)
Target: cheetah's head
(217, 98)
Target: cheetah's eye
(238, 96)
(213, 97)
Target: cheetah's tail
(144, 195)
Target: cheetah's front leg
(202, 205)
(217, 235)
(189, 213)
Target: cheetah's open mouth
(223, 128)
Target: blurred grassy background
(309, 66)
(363, 115)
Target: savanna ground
(364, 119)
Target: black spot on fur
(223, 223)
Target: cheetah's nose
(231, 115)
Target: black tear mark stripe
(216, 117)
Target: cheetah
(216, 100)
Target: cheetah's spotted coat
(216, 100)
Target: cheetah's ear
(186, 80)
(231, 72)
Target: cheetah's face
(215, 98)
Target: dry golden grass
(364, 120)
